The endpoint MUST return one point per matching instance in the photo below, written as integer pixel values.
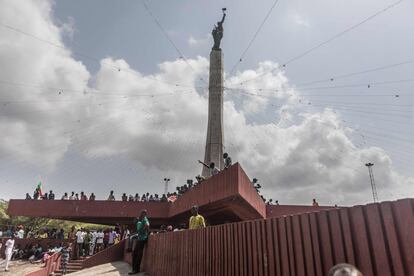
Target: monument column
(215, 136)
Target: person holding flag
(39, 189)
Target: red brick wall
(25, 242)
(110, 254)
(377, 238)
(52, 264)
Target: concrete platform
(109, 269)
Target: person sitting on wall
(124, 197)
(142, 231)
(83, 196)
(315, 203)
(92, 197)
(28, 197)
(65, 196)
(227, 160)
(196, 220)
(212, 168)
(200, 179)
(36, 194)
(76, 196)
(72, 196)
(111, 196)
(137, 198)
(51, 195)
(130, 198)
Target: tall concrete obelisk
(215, 136)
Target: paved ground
(109, 269)
(19, 268)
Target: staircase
(73, 266)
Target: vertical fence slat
(325, 241)
(271, 255)
(297, 241)
(392, 238)
(291, 246)
(362, 251)
(307, 244)
(404, 219)
(376, 234)
(348, 239)
(337, 239)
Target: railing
(52, 264)
(377, 238)
(44, 243)
(110, 254)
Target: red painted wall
(377, 238)
(108, 255)
(52, 265)
(273, 211)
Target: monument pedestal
(214, 141)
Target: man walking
(142, 232)
(8, 252)
(196, 220)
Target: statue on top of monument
(218, 31)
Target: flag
(39, 188)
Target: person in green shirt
(142, 233)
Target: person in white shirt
(112, 236)
(80, 235)
(20, 233)
(72, 196)
(8, 252)
(92, 245)
(99, 241)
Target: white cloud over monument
(56, 105)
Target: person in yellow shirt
(196, 220)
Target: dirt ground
(109, 269)
(19, 268)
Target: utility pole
(371, 177)
(166, 180)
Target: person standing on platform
(87, 242)
(227, 160)
(212, 167)
(99, 240)
(111, 196)
(8, 252)
(142, 232)
(80, 235)
(196, 220)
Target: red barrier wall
(44, 243)
(273, 211)
(110, 254)
(52, 264)
(377, 238)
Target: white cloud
(300, 20)
(197, 42)
(162, 127)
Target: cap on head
(225, 155)
(344, 270)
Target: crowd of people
(34, 252)
(146, 197)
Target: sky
(112, 95)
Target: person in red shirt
(106, 238)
